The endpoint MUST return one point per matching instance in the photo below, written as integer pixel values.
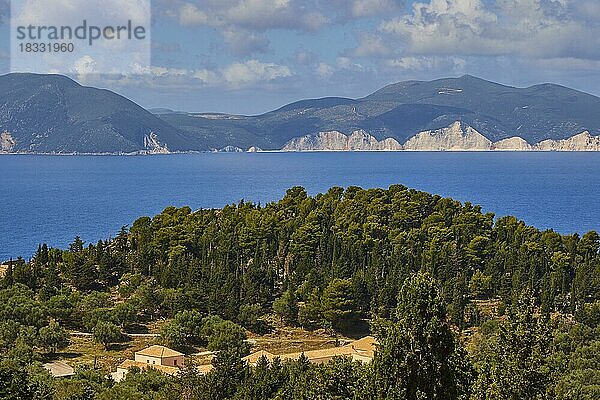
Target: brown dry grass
(84, 351)
(291, 340)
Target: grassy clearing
(290, 340)
(84, 351)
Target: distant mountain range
(54, 114)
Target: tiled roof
(366, 343)
(159, 352)
(314, 355)
(127, 364)
(254, 357)
(362, 349)
(59, 369)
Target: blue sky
(251, 56)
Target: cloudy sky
(250, 56)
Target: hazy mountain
(52, 113)
(404, 109)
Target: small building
(160, 355)
(59, 369)
(253, 358)
(362, 350)
(160, 358)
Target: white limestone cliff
(231, 149)
(456, 137)
(7, 142)
(152, 145)
(336, 141)
(514, 143)
(580, 142)
(390, 144)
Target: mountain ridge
(52, 114)
(401, 110)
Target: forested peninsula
(463, 305)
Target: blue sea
(52, 199)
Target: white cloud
(324, 71)
(243, 23)
(190, 15)
(57, 12)
(87, 55)
(84, 65)
(370, 45)
(206, 76)
(343, 67)
(236, 75)
(347, 63)
(253, 71)
(525, 28)
(428, 64)
(443, 26)
(258, 15)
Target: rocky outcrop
(390, 144)
(336, 141)
(581, 142)
(7, 142)
(456, 137)
(361, 141)
(326, 141)
(254, 149)
(512, 144)
(231, 149)
(153, 146)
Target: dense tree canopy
(433, 276)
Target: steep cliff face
(327, 141)
(581, 142)
(362, 141)
(456, 137)
(152, 145)
(337, 141)
(7, 142)
(231, 149)
(390, 144)
(512, 144)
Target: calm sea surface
(53, 199)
